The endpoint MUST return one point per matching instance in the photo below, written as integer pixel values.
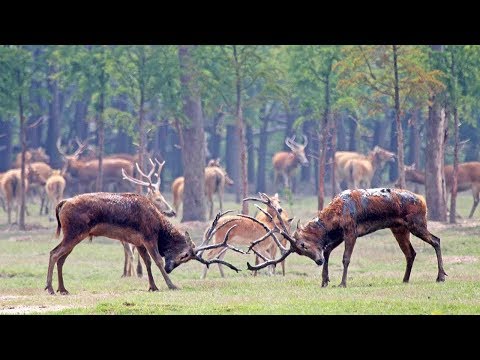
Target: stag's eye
(303, 245)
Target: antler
(282, 229)
(159, 179)
(81, 147)
(208, 236)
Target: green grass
(92, 275)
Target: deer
(131, 218)
(54, 188)
(285, 163)
(10, 186)
(215, 179)
(45, 171)
(468, 178)
(358, 169)
(86, 171)
(352, 214)
(156, 197)
(247, 231)
(2, 200)
(32, 155)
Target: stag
(156, 197)
(215, 179)
(246, 231)
(32, 155)
(86, 172)
(468, 178)
(284, 163)
(355, 213)
(358, 169)
(126, 217)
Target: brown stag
(247, 230)
(355, 213)
(358, 169)
(284, 163)
(54, 188)
(468, 178)
(215, 179)
(126, 217)
(156, 197)
(85, 172)
(10, 187)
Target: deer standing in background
(468, 178)
(32, 155)
(215, 179)
(126, 217)
(156, 197)
(54, 188)
(285, 163)
(355, 213)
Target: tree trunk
(414, 153)
(434, 159)
(305, 175)
(142, 140)
(215, 139)
(241, 134)
(101, 141)
(453, 204)
(53, 122)
(352, 144)
(325, 130)
(232, 160)
(392, 166)
(23, 142)
(334, 149)
(262, 154)
(289, 128)
(5, 145)
(251, 155)
(341, 143)
(80, 117)
(193, 147)
(398, 121)
(379, 138)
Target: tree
(193, 144)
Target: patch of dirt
(22, 310)
(459, 259)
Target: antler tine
(133, 180)
(270, 232)
(159, 179)
(269, 262)
(222, 244)
(149, 176)
(305, 140)
(59, 144)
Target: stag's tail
(57, 210)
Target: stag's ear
(189, 239)
(290, 220)
(276, 195)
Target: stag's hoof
(50, 290)
(342, 285)
(325, 284)
(173, 287)
(63, 292)
(153, 288)
(441, 278)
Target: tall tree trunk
(352, 143)
(53, 121)
(434, 159)
(453, 204)
(101, 140)
(379, 138)
(336, 120)
(142, 138)
(392, 167)
(215, 138)
(241, 133)
(5, 144)
(232, 160)
(23, 142)
(251, 155)
(193, 147)
(398, 121)
(80, 117)
(341, 143)
(262, 154)
(414, 153)
(306, 170)
(323, 144)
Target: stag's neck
(415, 176)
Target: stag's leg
(60, 262)
(139, 267)
(210, 199)
(9, 211)
(210, 255)
(326, 256)
(129, 259)
(220, 266)
(142, 251)
(152, 248)
(475, 192)
(420, 230)
(285, 180)
(402, 235)
(220, 198)
(349, 245)
(61, 250)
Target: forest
(186, 105)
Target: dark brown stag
(355, 213)
(126, 217)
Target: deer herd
(141, 224)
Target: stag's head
(40, 155)
(179, 254)
(34, 177)
(297, 149)
(153, 189)
(69, 159)
(309, 240)
(214, 163)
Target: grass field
(92, 275)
